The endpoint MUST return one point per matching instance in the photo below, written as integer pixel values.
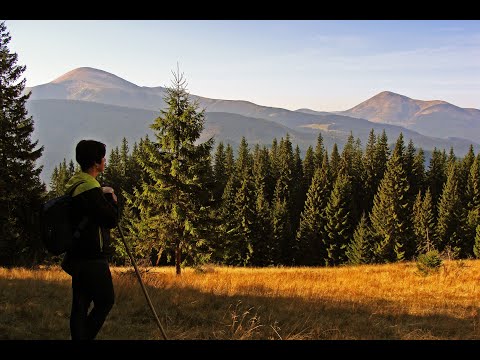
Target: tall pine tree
(473, 202)
(308, 168)
(263, 246)
(311, 234)
(435, 175)
(21, 191)
(424, 223)
(284, 194)
(369, 175)
(338, 220)
(219, 171)
(390, 216)
(449, 222)
(335, 162)
(319, 151)
(298, 191)
(382, 155)
(476, 245)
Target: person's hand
(109, 190)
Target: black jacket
(96, 213)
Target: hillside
(60, 124)
(88, 102)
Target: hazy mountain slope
(313, 112)
(88, 84)
(231, 127)
(432, 118)
(60, 124)
(446, 120)
(459, 145)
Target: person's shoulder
(90, 194)
(88, 186)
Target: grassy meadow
(369, 302)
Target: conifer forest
(186, 203)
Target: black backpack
(58, 231)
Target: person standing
(95, 212)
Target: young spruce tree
(359, 248)
(174, 203)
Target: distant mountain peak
(391, 108)
(389, 95)
(386, 92)
(384, 106)
(94, 76)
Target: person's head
(90, 153)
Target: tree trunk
(178, 257)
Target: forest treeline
(186, 203)
(269, 207)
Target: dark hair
(89, 152)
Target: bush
(429, 262)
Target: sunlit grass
(392, 301)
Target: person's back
(95, 210)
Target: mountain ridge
(136, 107)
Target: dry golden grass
(370, 302)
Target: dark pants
(91, 283)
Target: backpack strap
(75, 186)
(81, 225)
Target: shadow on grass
(33, 309)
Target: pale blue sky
(324, 65)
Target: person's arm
(102, 211)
